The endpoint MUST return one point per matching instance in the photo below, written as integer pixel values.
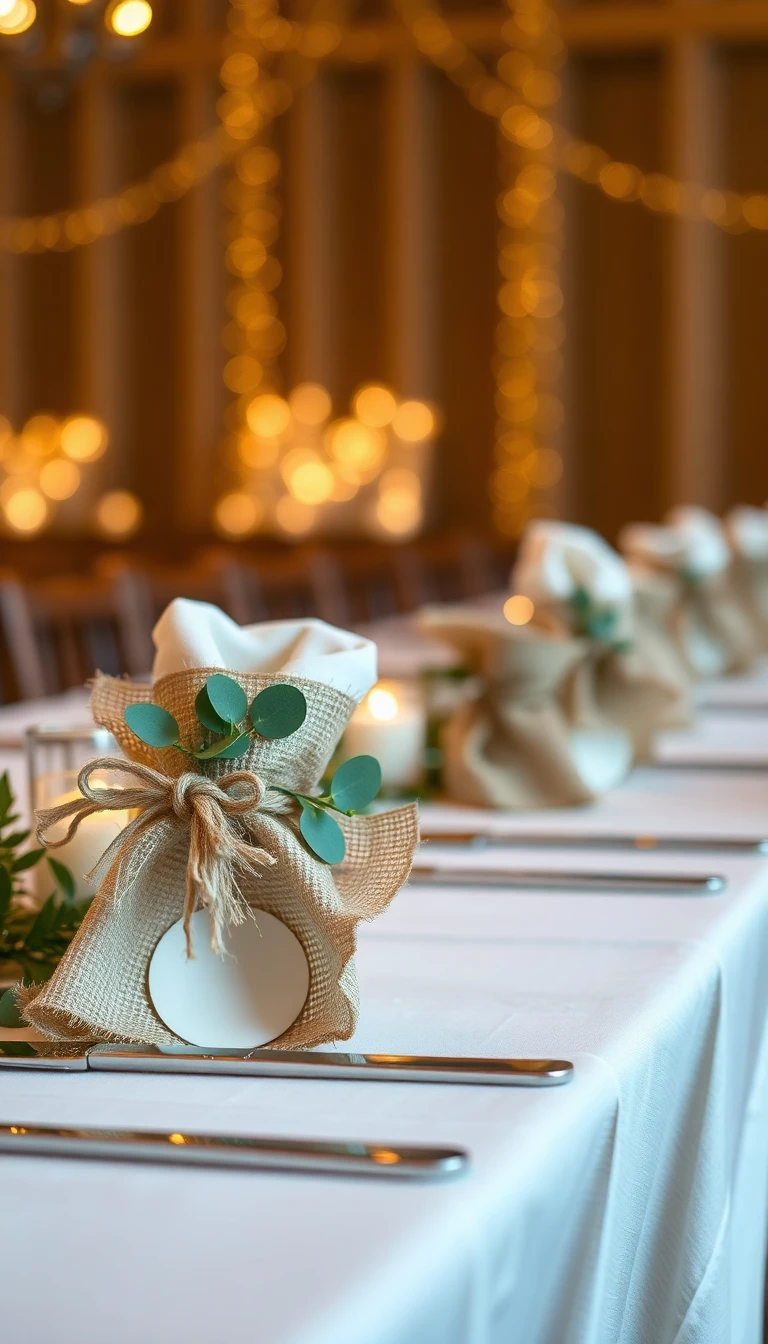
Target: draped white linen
(626, 1208)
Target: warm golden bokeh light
(357, 448)
(40, 435)
(238, 514)
(382, 704)
(83, 438)
(128, 18)
(268, 415)
(518, 609)
(119, 514)
(25, 510)
(17, 17)
(413, 421)
(374, 405)
(310, 404)
(60, 478)
(311, 482)
(293, 516)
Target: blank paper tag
(241, 1000)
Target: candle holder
(391, 724)
(55, 757)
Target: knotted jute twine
(228, 842)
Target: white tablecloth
(625, 1208)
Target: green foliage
(33, 940)
(322, 833)
(207, 715)
(227, 700)
(152, 724)
(595, 622)
(278, 711)
(356, 784)
(9, 1010)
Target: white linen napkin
(747, 531)
(197, 634)
(557, 559)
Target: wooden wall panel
(615, 266)
(154, 455)
(745, 333)
(389, 250)
(46, 283)
(467, 285)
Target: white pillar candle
(390, 724)
(83, 851)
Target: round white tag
(235, 1002)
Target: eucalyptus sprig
(222, 709)
(594, 621)
(33, 939)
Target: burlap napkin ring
(229, 840)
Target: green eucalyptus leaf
(580, 600)
(6, 796)
(323, 835)
(218, 748)
(27, 860)
(603, 623)
(152, 724)
(226, 698)
(6, 891)
(207, 714)
(63, 878)
(356, 783)
(236, 748)
(278, 711)
(10, 1015)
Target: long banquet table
(628, 1207)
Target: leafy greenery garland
(231, 725)
(33, 939)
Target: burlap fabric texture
(510, 744)
(708, 609)
(750, 579)
(99, 990)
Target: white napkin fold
(556, 559)
(197, 634)
(691, 540)
(747, 531)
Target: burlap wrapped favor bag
(628, 677)
(746, 530)
(222, 834)
(509, 743)
(707, 624)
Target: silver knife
(321, 1156)
(82, 1058)
(597, 840)
(536, 879)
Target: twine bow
(216, 813)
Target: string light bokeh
(46, 464)
(301, 470)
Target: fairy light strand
(731, 211)
(529, 331)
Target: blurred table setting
(591, 889)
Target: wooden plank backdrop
(388, 245)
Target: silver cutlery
(679, 884)
(669, 844)
(316, 1156)
(260, 1063)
